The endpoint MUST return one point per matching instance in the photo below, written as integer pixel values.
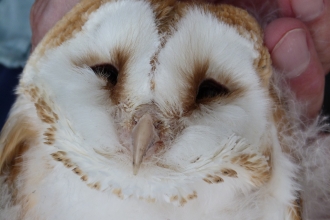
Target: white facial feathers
(161, 102)
(200, 47)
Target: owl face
(150, 99)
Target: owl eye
(209, 88)
(106, 71)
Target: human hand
(299, 44)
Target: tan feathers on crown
(158, 110)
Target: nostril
(158, 124)
(134, 121)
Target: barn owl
(145, 109)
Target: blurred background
(15, 45)
(15, 37)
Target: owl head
(156, 100)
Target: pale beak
(144, 136)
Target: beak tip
(135, 169)
(143, 136)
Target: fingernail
(307, 10)
(291, 53)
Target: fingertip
(278, 28)
(294, 55)
(285, 8)
(287, 40)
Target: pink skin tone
(45, 13)
(305, 31)
(299, 41)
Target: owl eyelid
(106, 71)
(210, 89)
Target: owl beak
(144, 135)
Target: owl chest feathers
(216, 195)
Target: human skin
(304, 32)
(298, 41)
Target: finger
(316, 16)
(37, 20)
(294, 55)
(45, 13)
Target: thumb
(316, 16)
(294, 55)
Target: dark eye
(209, 88)
(106, 71)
